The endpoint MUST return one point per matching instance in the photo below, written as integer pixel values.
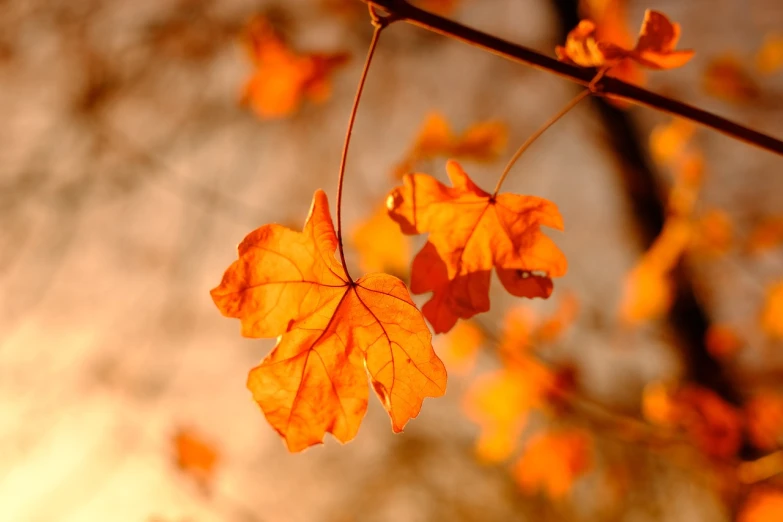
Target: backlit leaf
(381, 245)
(470, 233)
(655, 47)
(333, 333)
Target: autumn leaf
(500, 403)
(552, 461)
(722, 341)
(772, 312)
(609, 18)
(649, 289)
(668, 140)
(483, 141)
(764, 418)
(727, 78)
(763, 505)
(769, 58)
(282, 77)
(470, 233)
(654, 49)
(381, 245)
(712, 233)
(712, 425)
(766, 235)
(195, 456)
(333, 333)
(462, 344)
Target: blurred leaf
(482, 141)
(763, 505)
(381, 245)
(764, 418)
(769, 58)
(282, 77)
(727, 78)
(462, 344)
(552, 462)
(772, 313)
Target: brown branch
(404, 11)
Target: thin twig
(521, 150)
(378, 23)
(404, 11)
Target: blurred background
(135, 155)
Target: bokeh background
(129, 172)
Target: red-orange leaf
(333, 332)
(470, 232)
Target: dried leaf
(772, 313)
(381, 245)
(552, 462)
(333, 332)
(655, 47)
(282, 77)
(470, 232)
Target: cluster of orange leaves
(713, 425)
(502, 402)
(283, 78)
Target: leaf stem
(551, 121)
(379, 23)
(406, 12)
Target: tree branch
(404, 11)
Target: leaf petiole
(379, 23)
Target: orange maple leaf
(333, 332)
(552, 462)
(655, 47)
(470, 232)
(194, 456)
(283, 78)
